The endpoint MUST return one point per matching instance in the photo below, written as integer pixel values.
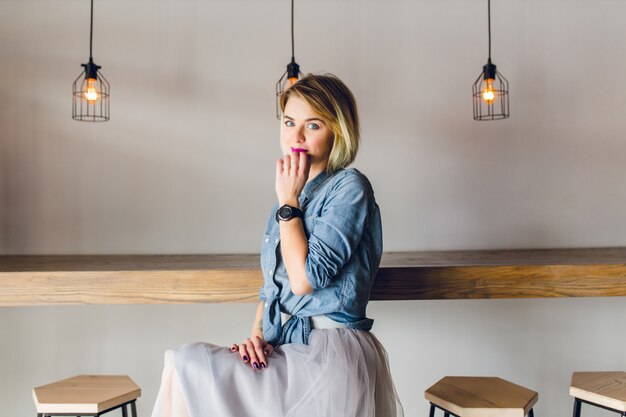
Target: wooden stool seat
(86, 395)
(480, 397)
(601, 389)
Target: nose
(299, 135)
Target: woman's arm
(292, 173)
(294, 249)
(255, 350)
(257, 326)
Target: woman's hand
(253, 351)
(292, 173)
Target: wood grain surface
(85, 394)
(160, 279)
(604, 388)
(468, 396)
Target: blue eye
(289, 123)
(313, 126)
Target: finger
(303, 163)
(260, 354)
(279, 167)
(295, 163)
(234, 347)
(287, 164)
(254, 360)
(268, 349)
(243, 353)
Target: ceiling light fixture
(491, 89)
(90, 90)
(290, 76)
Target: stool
(601, 389)
(87, 395)
(480, 397)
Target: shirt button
(269, 271)
(267, 239)
(276, 241)
(266, 305)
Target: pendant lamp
(90, 90)
(491, 89)
(290, 76)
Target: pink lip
(298, 150)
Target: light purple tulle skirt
(341, 373)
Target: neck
(317, 169)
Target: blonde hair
(333, 101)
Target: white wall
(186, 166)
(535, 343)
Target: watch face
(284, 212)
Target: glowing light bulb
(292, 81)
(489, 94)
(91, 92)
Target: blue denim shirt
(343, 228)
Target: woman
(310, 352)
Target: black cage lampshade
(91, 95)
(290, 76)
(90, 90)
(491, 94)
(288, 79)
(491, 89)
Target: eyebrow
(307, 120)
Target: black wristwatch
(287, 212)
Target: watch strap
(294, 212)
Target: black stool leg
(577, 405)
(133, 409)
(124, 411)
(531, 413)
(432, 410)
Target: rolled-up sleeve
(336, 233)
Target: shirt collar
(312, 185)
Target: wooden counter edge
(242, 284)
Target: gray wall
(186, 166)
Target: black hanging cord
(488, 23)
(293, 54)
(91, 69)
(91, 31)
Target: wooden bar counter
(161, 279)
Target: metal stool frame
(447, 413)
(578, 405)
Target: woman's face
(303, 129)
